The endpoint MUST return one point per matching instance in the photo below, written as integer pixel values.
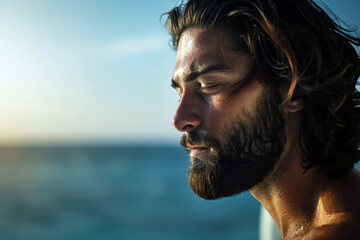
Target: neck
(289, 195)
(300, 202)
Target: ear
(294, 105)
(297, 99)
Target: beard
(244, 156)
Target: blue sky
(76, 70)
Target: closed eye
(210, 88)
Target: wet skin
(304, 206)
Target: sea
(112, 191)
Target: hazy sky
(91, 70)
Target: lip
(196, 151)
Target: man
(268, 104)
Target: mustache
(195, 138)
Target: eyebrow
(194, 75)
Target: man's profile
(268, 104)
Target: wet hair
(300, 47)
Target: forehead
(196, 37)
(197, 48)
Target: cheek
(222, 110)
(218, 103)
(225, 108)
(234, 104)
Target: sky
(92, 70)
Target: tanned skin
(304, 205)
(310, 205)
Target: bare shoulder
(334, 232)
(339, 210)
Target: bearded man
(268, 104)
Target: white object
(268, 228)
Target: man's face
(233, 127)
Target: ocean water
(112, 192)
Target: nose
(188, 115)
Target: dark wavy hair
(298, 45)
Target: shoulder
(333, 232)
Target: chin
(212, 181)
